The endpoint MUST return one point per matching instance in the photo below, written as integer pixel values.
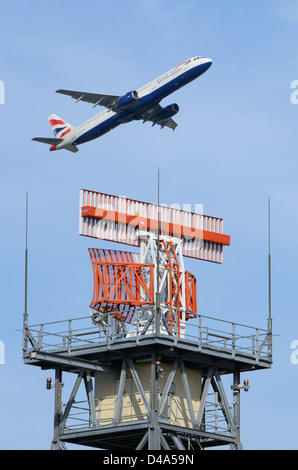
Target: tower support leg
(56, 444)
(154, 435)
(236, 410)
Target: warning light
(238, 387)
(49, 383)
(158, 369)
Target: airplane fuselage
(148, 97)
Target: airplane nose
(206, 64)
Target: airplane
(142, 104)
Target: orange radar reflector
(124, 220)
(120, 283)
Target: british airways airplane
(142, 104)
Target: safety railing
(202, 333)
(131, 410)
(175, 412)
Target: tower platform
(196, 416)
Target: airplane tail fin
(59, 126)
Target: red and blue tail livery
(59, 126)
(142, 104)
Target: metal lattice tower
(151, 366)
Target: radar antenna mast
(25, 316)
(269, 281)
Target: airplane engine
(128, 100)
(168, 111)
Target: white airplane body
(142, 104)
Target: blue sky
(235, 145)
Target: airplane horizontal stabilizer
(72, 148)
(48, 140)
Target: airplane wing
(94, 98)
(152, 116)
